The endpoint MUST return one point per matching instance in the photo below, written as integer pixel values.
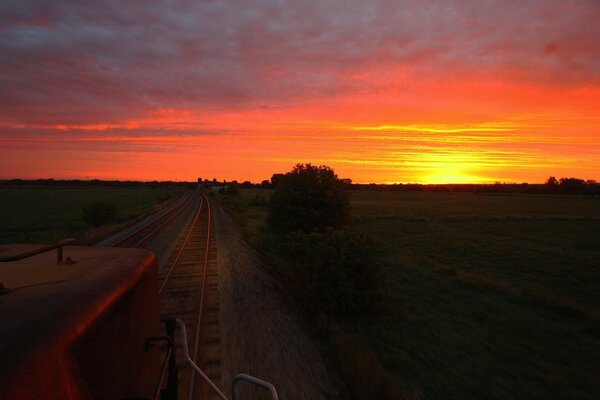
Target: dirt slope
(261, 334)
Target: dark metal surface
(52, 308)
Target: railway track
(189, 295)
(189, 291)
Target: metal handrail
(255, 381)
(237, 379)
(58, 246)
(196, 368)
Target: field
(490, 296)
(46, 214)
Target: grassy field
(490, 296)
(46, 214)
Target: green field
(490, 296)
(46, 214)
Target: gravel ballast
(262, 334)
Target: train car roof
(47, 306)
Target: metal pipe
(58, 246)
(237, 379)
(197, 369)
(255, 381)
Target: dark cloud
(101, 62)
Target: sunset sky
(382, 91)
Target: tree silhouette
(308, 198)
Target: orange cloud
(381, 93)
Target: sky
(381, 91)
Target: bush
(335, 272)
(307, 198)
(100, 213)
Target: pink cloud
(94, 70)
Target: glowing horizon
(383, 94)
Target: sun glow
(486, 127)
(457, 175)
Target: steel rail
(163, 374)
(169, 219)
(199, 320)
(175, 210)
(187, 236)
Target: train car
(84, 324)
(80, 328)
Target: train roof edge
(47, 308)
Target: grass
(249, 210)
(532, 243)
(490, 296)
(46, 214)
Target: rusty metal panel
(77, 331)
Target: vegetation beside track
(491, 296)
(46, 214)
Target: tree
(552, 181)
(308, 198)
(572, 184)
(276, 179)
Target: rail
(200, 309)
(187, 236)
(169, 367)
(58, 246)
(158, 394)
(166, 216)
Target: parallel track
(142, 234)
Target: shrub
(308, 198)
(100, 213)
(335, 272)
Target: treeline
(552, 186)
(92, 182)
